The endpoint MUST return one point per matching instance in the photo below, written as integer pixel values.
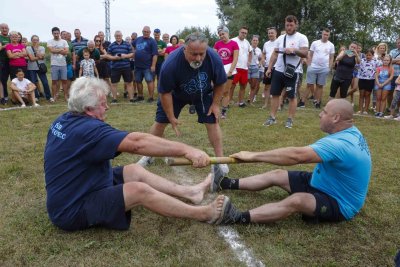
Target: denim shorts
(58, 73)
(147, 74)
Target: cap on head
(157, 30)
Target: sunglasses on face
(97, 41)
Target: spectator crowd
(277, 66)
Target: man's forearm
(287, 156)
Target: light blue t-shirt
(395, 53)
(345, 169)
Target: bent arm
(282, 156)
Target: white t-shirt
(297, 41)
(255, 56)
(58, 59)
(268, 49)
(321, 53)
(244, 49)
(21, 85)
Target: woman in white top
(254, 68)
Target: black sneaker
(125, 94)
(229, 213)
(192, 109)
(3, 101)
(242, 105)
(138, 99)
(301, 104)
(269, 121)
(114, 101)
(150, 100)
(132, 100)
(318, 105)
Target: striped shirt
(122, 48)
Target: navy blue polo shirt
(78, 45)
(77, 162)
(122, 48)
(184, 82)
(145, 49)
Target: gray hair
(194, 37)
(90, 42)
(223, 29)
(85, 93)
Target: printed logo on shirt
(56, 131)
(197, 84)
(363, 144)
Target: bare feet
(216, 207)
(199, 190)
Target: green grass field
(27, 238)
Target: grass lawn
(27, 238)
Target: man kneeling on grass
(335, 191)
(83, 190)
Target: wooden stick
(213, 160)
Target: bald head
(336, 116)
(342, 107)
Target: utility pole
(107, 9)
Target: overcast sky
(39, 16)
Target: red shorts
(241, 76)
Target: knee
(137, 190)
(133, 169)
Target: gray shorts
(58, 73)
(317, 75)
(396, 100)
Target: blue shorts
(105, 208)
(70, 72)
(143, 73)
(253, 72)
(327, 209)
(202, 108)
(58, 73)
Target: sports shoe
(36, 105)
(132, 100)
(216, 178)
(192, 109)
(23, 106)
(3, 101)
(269, 121)
(51, 100)
(388, 117)
(224, 168)
(301, 104)
(359, 112)
(145, 160)
(365, 113)
(150, 100)
(223, 114)
(242, 105)
(289, 123)
(125, 94)
(397, 119)
(318, 105)
(114, 101)
(138, 99)
(229, 213)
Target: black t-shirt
(345, 67)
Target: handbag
(42, 67)
(289, 68)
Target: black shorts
(367, 85)
(126, 74)
(280, 81)
(327, 209)
(266, 79)
(158, 67)
(105, 208)
(104, 69)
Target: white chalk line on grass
(230, 235)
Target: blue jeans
(33, 77)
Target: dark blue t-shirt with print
(145, 49)
(77, 162)
(187, 83)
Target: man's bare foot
(199, 190)
(216, 208)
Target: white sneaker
(145, 160)
(23, 106)
(51, 100)
(388, 117)
(36, 105)
(397, 119)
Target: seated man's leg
(194, 193)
